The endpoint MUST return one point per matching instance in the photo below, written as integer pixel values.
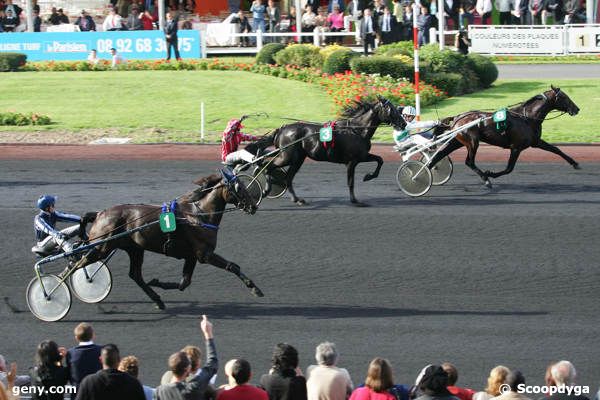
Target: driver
(408, 137)
(48, 238)
(232, 137)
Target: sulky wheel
(92, 283)
(442, 171)
(53, 306)
(414, 178)
(278, 183)
(253, 186)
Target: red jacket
(461, 393)
(232, 137)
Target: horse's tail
(86, 219)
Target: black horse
(350, 144)
(523, 130)
(198, 213)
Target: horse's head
(390, 114)
(563, 103)
(235, 192)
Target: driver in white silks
(232, 137)
(415, 132)
(48, 237)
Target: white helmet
(409, 110)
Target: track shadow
(47, 183)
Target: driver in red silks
(232, 137)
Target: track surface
(475, 277)
(548, 71)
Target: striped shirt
(44, 223)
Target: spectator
(537, 10)
(9, 21)
(378, 382)
(109, 383)
(136, 4)
(333, 3)
(36, 6)
(258, 11)
(572, 10)
(451, 11)
(314, 4)
(37, 22)
(134, 22)
(368, 28)
(1, 20)
(147, 21)
(6, 391)
(20, 380)
(195, 356)
(54, 18)
(85, 22)
(548, 379)
(461, 393)
(484, 9)
(513, 380)
(171, 36)
(244, 27)
(15, 9)
(49, 371)
(239, 377)
(432, 384)
(495, 380)
(564, 374)
(274, 17)
(465, 13)
(556, 7)
(62, 17)
(354, 9)
(116, 58)
(84, 359)
(424, 22)
(131, 365)
(123, 7)
(520, 12)
(504, 7)
(113, 21)
(325, 381)
(406, 31)
(94, 60)
(227, 370)
(284, 381)
(180, 366)
(388, 26)
(336, 24)
(398, 13)
(309, 22)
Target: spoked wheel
(92, 283)
(442, 171)
(414, 178)
(253, 187)
(278, 183)
(51, 308)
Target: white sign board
(508, 39)
(584, 38)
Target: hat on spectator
(434, 381)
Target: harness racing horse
(198, 213)
(524, 130)
(350, 144)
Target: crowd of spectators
(97, 372)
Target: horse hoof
(300, 202)
(488, 184)
(576, 166)
(257, 292)
(160, 305)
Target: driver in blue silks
(408, 136)
(48, 237)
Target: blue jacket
(44, 223)
(83, 361)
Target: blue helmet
(45, 201)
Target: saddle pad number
(326, 134)
(500, 115)
(167, 222)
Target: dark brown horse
(524, 130)
(198, 215)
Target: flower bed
(18, 119)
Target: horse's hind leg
(512, 160)
(220, 262)
(374, 174)
(188, 270)
(553, 149)
(136, 259)
(292, 171)
(350, 168)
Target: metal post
(440, 17)
(161, 15)
(259, 39)
(589, 11)
(298, 19)
(202, 122)
(416, 58)
(29, 11)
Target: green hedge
(301, 55)
(450, 83)
(12, 61)
(406, 48)
(383, 66)
(267, 54)
(484, 68)
(339, 61)
(18, 119)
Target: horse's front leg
(186, 280)
(219, 262)
(553, 149)
(136, 259)
(372, 157)
(512, 160)
(472, 147)
(350, 168)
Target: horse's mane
(204, 184)
(531, 100)
(357, 108)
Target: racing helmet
(45, 201)
(409, 110)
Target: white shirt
(112, 22)
(412, 128)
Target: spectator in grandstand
(136, 4)
(513, 380)
(368, 29)
(116, 58)
(274, 17)
(62, 17)
(406, 30)
(134, 22)
(325, 381)
(314, 4)
(15, 9)
(239, 389)
(537, 10)
(258, 11)
(83, 359)
(147, 20)
(378, 383)
(171, 29)
(424, 22)
(451, 12)
(461, 393)
(388, 26)
(113, 21)
(109, 383)
(495, 380)
(572, 12)
(504, 8)
(93, 57)
(53, 18)
(20, 380)
(564, 374)
(9, 21)
(36, 6)
(284, 381)
(333, 3)
(180, 366)
(85, 22)
(37, 22)
(520, 12)
(557, 9)
(131, 365)
(244, 27)
(195, 356)
(484, 9)
(335, 21)
(309, 22)
(123, 7)
(465, 13)
(48, 371)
